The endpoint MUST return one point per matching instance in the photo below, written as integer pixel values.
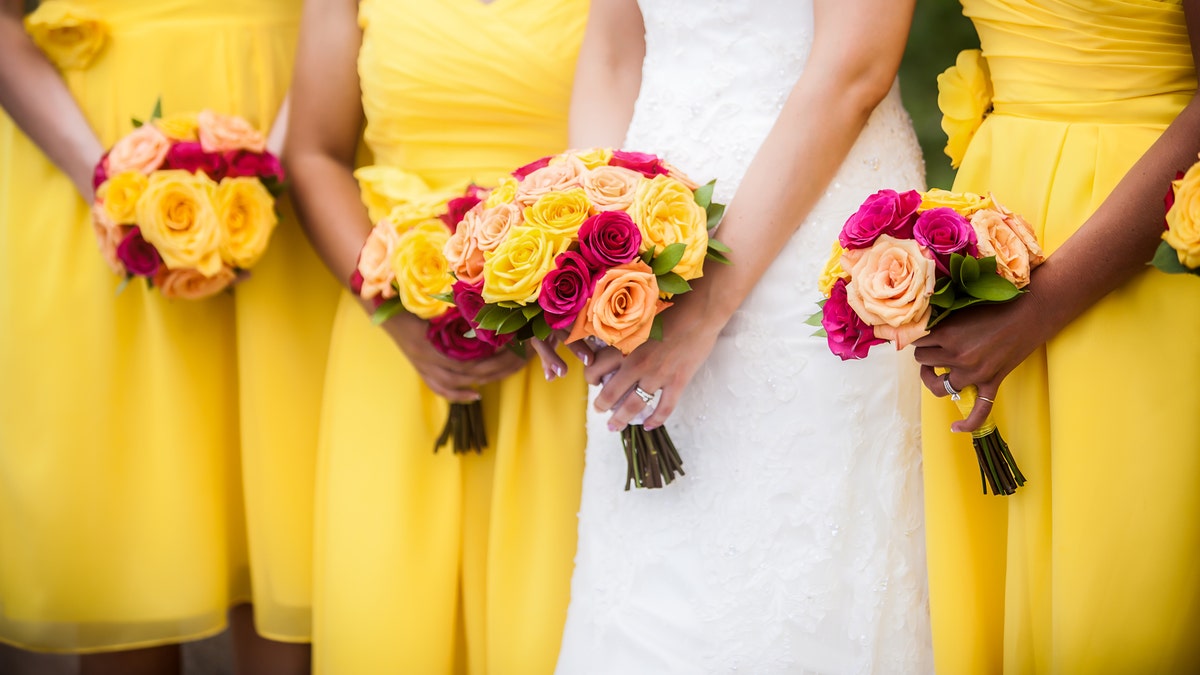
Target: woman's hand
(448, 378)
(552, 364)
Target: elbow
(864, 88)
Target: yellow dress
(121, 506)
(435, 563)
(1092, 566)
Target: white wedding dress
(795, 542)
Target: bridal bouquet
(1179, 251)
(906, 261)
(402, 267)
(186, 202)
(593, 243)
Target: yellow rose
(591, 158)
(421, 268)
(189, 284)
(833, 269)
(666, 212)
(611, 188)
(1183, 220)
(514, 271)
(119, 196)
(504, 193)
(891, 283)
(225, 133)
(177, 217)
(183, 128)
(383, 188)
(246, 212)
(964, 203)
(70, 35)
(559, 213)
(965, 98)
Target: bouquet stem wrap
(997, 467)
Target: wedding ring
(954, 393)
(981, 397)
(643, 394)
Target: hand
(453, 380)
(552, 364)
(669, 365)
(981, 346)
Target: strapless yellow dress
(1091, 567)
(121, 505)
(437, 563)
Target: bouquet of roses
(1179, 251)
(402, 268)
(595, 243)
(186, 202)
(904, 262)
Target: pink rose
(566, 289)
(100, 173)
(848, 335)
(447, 333)
(191, 284)
(608, 239)
(468, 299)
(890, 286)
(885, 212)
(222, 133)
(189, 156)
(529, 168)
(458, 207)
(262, 165)
(646, 164)
(138, 256)
(944, 231)
(142, 150)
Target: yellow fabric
(436, 563)
(1091, 567)
(121, 513)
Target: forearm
(51, 117)
(608, 75)
(327, 201)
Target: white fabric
(794, 544)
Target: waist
(123, 15)
(1159, 110)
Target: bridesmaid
(122, 508)
(1091, 567)
(433, 563)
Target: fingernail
(587, 359)
(549, 375)
(558, 370)
(613, 426)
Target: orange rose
(375, 261)
(622, 308)
(890, 286)
(220, 133)
(1010, 238)
(462, 249)
(142, 150)
(190, 284)
(109, 235)
(611, 188)
(494, 224)
(556, 177)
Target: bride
(795, 541)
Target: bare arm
(610, 61)
(982, 347)
(51, 117)
(844, 79)
(322, 138)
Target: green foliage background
(939, 32)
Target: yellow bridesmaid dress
(121, 505)
(1092, 566)
(438, 563)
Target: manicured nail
(559, 370)
(587, 359)
(549, 375)
(613, 426)
(649, 427)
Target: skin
(982, 346)
(827, 108)
(321, 145)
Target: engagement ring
(643, 394)
(954, 393)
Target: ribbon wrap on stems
(997, 468)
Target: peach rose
(591, 158)
(222, 133)
(1010, 238)
(622, 308)
(109, 235)
(375, 261)
(678, 175)
(142, 150)
(611, 188)
(558, 177)
(494, 224)
(890, 286)
(462, 249)
(190, 284)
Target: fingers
(450, 386)
(581, 351)
(981, 410)
(667, 400)
(552, 364)
(933, 381)
(625, 410)
(604, 362)
(503, 364)
(623, 377)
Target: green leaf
(714, 245)
(718, 257)
(673, 283)
(943, 295)
(956, 261)
(647, 255)
(1166, 259)
(936, 317)
(541, 329)
(970, 269)
(991, 287)
(470, 334)
(820, 333)
(137, 124)
(965, 302)
(656, 328)
(531, 310)
(491, 316)
(509, 304)
(125, 282)
(815, 319)
(390, 307)
(444, 297)
(714, 212)
(157, 112)
(667, 260)
(512, 323)
(703, 194)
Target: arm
(322, 139)
(52, 119)
(610, 61)
(983, 346)
(843, 81)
